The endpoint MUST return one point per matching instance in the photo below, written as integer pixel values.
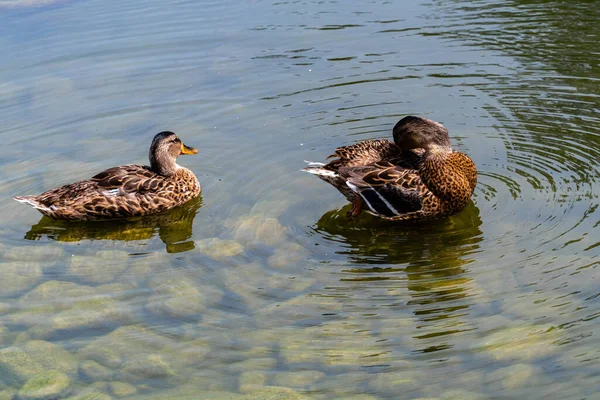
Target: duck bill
(188, 150)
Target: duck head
(164, 150)
(421, 133)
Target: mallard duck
(417, 176)
(125, 191)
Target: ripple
(269, 272)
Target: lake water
(263, 289)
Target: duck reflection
(426, 258)
(174, 228)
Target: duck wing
(386, 189)
(128, 179)
(363, 153)
(409, 159)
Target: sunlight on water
(263, 288)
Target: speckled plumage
(417, 176)
(125, 191)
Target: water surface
(263, 287)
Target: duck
(127, 190)
(416, 176)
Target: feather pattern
(397, 181)
(124, 191)
(355, 155)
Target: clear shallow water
(264, 282)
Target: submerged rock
(90, 396)
(19, 276)
(298, 378)
(5, 307)
(271, 208)
(104, 267)
(59, 294)
(35, 254)
(301, 306)
(176, 394)
(47, 385)
(514, 376)
(395, 382)
(219, 249)
(287, 254)
(193, 353)
(8, 394)
(524, 342)
(254, 364)
(276, 393)
(52, 356)
(122, 345)
(256, 230)
(117, 290)
(16, 366)
(95, 372)
(459, 394)
(178, 298)
(333, 343)
(150, 366)
(122, 389)
(92, 313)
(250, 381)
(5, 336)
(46, 300)
(247, 283)
(346, 384)
(426, 398)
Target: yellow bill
(188, 150)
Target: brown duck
(125, 191)
(417, 176)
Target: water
(263, 282)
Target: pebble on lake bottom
(122, 389)
(276, 393)
(219, 249)
(179, 298)
(98, 269)
(256, 230)
(8, 394)
(513, 377)
(90, 396)
(47, 385)
(16, 366)
(250, 381)
(335, 343)
(18, 277)
(124, 344)
(52, 356)
(458, 394)
(521, 342)
(92, 371)
(298, 379)
(67, 306)
(151, 366)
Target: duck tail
(316, 168)
(314, 164)
(32, 201)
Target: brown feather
(407, 183)
(124, 191)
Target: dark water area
(262, 288)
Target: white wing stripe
(356, 190)
(387, 203)
(111, 192)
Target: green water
(263, 289)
